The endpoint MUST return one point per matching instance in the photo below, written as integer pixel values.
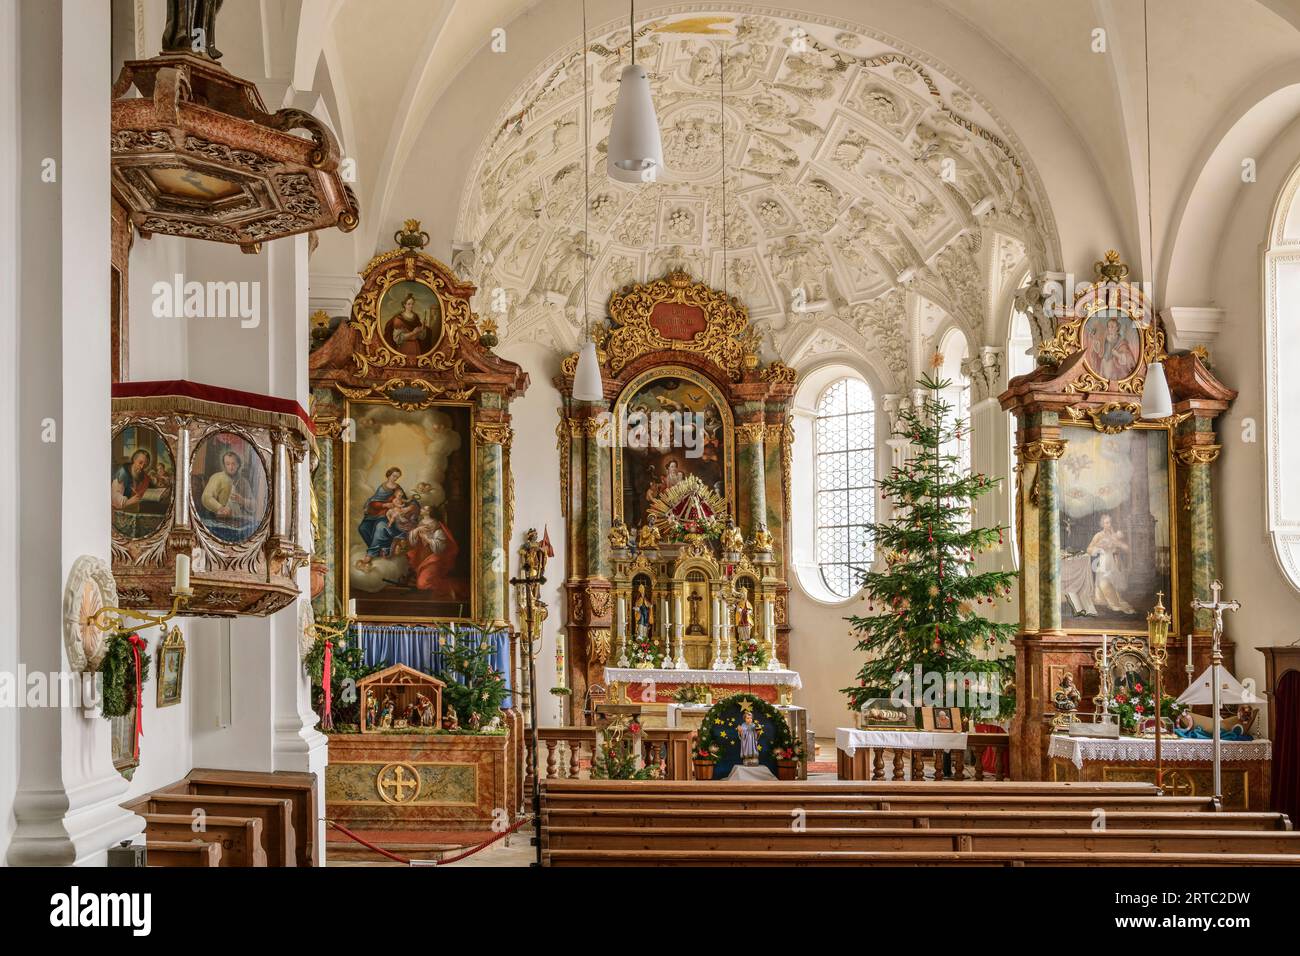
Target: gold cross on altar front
(393, 778)
(1217, 607)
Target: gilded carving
(751, 433)
(1044, 449)
(493, 433)
(1199, 454)
(392, 390)
(598, 644)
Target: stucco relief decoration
(849, 162)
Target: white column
(65, 803)
(990, 454)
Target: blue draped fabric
(383, 645)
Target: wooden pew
(938, 819)
(607, 858)
(999, 788)
(276, 814)
(850, 801)
(190, 853)
(917, 839)
(240, 837)
(298, 788)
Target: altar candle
(1105, 666)
(618, 627)
(677, 611)
(352, 607)
(1189, 652)
(182, 572)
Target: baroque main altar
(676, 490)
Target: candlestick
(182, 574)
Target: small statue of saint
(372, 709)
(647, 539)
(744, 615)
(762, 540)
(1067, 696)
(731, 539)
(619, 535)
(748, 734)
(642, 612)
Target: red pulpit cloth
(326, 682)
(1286, 748)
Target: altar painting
(675, 427)
(1117, 529)
(409, 512)
(410, 318)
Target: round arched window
(844, 438)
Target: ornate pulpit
(1110, 509)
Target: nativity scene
(582, 437)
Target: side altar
(676, 495)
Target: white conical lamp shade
(1156, 400)
(636, 152)
(586, 380)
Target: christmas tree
(475, 688)
(924, 608)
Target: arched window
(955, 351)
(1020, 361)
(844, 430)
(1281, 384)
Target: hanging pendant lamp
(1156, 400)
(636, 152)
(587, 386)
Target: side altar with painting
(676, 489)
(1114, 515)
(413, 501)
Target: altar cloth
(1136, 749)
(849, 740)
(733, 678)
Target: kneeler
(1286, 748)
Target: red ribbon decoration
(137, 642)
(327, 721)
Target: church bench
(276, 814)
(1001, 788)
(606, 858)
(917, 839)
(299, 788)
(939, 819)
(183, 853)
(850, 801)
(240, 837)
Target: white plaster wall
(1270, 613)
(535, 462)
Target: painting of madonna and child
(1115, 528)
(674, 430)
(409, 512)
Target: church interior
(586, 433)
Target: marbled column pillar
(752, 467)
(1196, 459)
(1045, 451)
(596, 468)
(491, 557)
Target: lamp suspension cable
(1151, 236)
(586, 174)
(722, 120)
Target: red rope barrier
(407, 862)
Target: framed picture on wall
(408, 530)
(171, 667)
(1118, 528)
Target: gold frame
(1170, 460)
(343, 530)
(696, 377)
(172, 643)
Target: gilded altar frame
(1069, 390)
(649, 377)
(356, 365)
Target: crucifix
(1217, 607)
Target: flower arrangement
(693, 694)
(750, 655)
(616, 756)
(642, 652)
(1135, 704)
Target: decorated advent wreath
(720, 735)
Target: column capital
(985, 371)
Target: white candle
(1105, 666)
(677, 611)
(182, 572)
(618, 626)
(1189, 650)
(352, 607)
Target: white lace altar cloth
(637, 675)
(849, 740)
(1139, 749)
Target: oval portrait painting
(228, 486)
(1112, 344)
(410, 318)
(141, 487)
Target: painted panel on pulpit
(673, 426)
(1117, 528)
(143, 477)
(409, 507)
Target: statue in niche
(642, 612)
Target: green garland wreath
(118, 668)
(713, 729)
